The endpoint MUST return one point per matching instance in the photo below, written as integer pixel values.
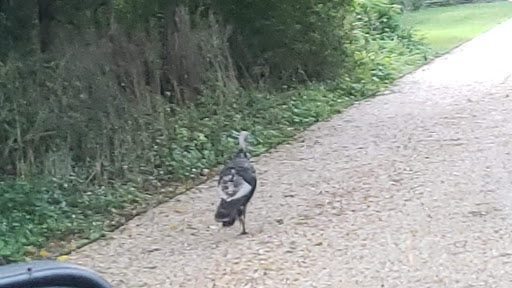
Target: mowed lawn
(446, 27)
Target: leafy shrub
(382, 49)
(33, 212)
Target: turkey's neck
(241, 153)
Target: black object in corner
(48, 273)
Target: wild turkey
(237, 183)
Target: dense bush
(109, 107)
(381, 48)
(295, 40)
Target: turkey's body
(237, 183)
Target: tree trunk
(46, 19)
(179, 76)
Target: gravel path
(409, 189)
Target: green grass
(446, 27)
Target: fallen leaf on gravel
(180, 210)
(62, 258)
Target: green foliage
(383, 50)
(297, 40)
(33, 212)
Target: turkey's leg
(242, 221)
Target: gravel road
(408, 189)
